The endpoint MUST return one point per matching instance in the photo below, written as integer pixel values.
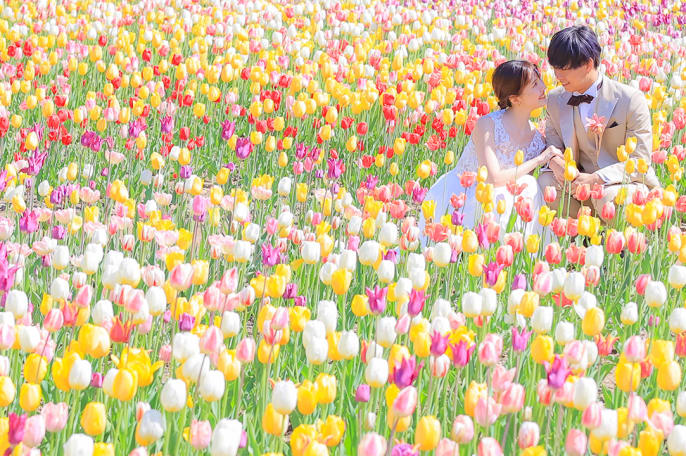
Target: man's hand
(557, 166)
(588, 179)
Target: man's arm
(638, 125)
(553, 136)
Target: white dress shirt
(586, 110)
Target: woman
(494, 143)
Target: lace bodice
(504, 149)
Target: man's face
(574, 79)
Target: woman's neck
(519, 117)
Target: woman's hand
(548, 154)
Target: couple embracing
(590, 114)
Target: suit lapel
(567, 122)
(606, 99)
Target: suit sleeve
(553, 136)
(638, 125)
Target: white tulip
(151, 427)
(314, 330)
(385, 331)
(29, 337)
(251, 233)
(157, 300)
(212, 384)
(441, 308)
(231, 324)
(17, 303)
(284, 187)
(489, 301)
(226, 438)
(348, 260)
(102, 312)
(355, 225)
(629, 314)
(242, 251)
(559, 277)
(108, 381)
(574, 285)
(310, 251)
(418, 277)
(677, 276)
(317, 351)
(78, 445)
(655, 293)
(415, 260)
(388, 235)
(564, 332)
(681, 404)
(7, 318)
(386, 271)
(59, 289)
(594, 255)
(376, 372)
(195, 367)
(349, 344)
(585, 302)
(129, 272)
(326, 272)
(284, 397)
(369, 252)
(60, 257)
(174, 395)
(472, 304)
(80, 375)
(441, 254)
(608, 425)
(676, 442)
(185, 345)
(327, 313)
(585, 393)
(542, 319)
(514, 300)
(677, 320)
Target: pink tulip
(635, 349)
(212, 340)
(165, 353)
(145, 327)
(141, 408)
(405, 402)
(663, 422)
(403, 324)
(34, 431)
(529, 433)
(229, 281)
(637, 409)
(372, 444)
(592, 416)
(140, 451)
(280, 318)
(489, 447)
(53, 320)
(4, 366)
(446, 447)
(181, 276)
(212, 298)
(487, 411)
(462, 430)
(7, 336)
(439, 366)
(245, 351)
(55, 416)
(615, 446)
(501, 378)
(512, 399)
(576, 442)
(201, 433)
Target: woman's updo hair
(509, 78)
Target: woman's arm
(484, 144)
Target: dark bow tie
(576, 100)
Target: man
(574, 55)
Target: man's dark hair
(573, 47)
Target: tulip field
(210, 244)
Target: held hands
(549, 154)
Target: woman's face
(533, 96)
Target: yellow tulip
(94, 418)
(427, 433)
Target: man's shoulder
(622, 89)
(556, 93)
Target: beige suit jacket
(626, 113)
